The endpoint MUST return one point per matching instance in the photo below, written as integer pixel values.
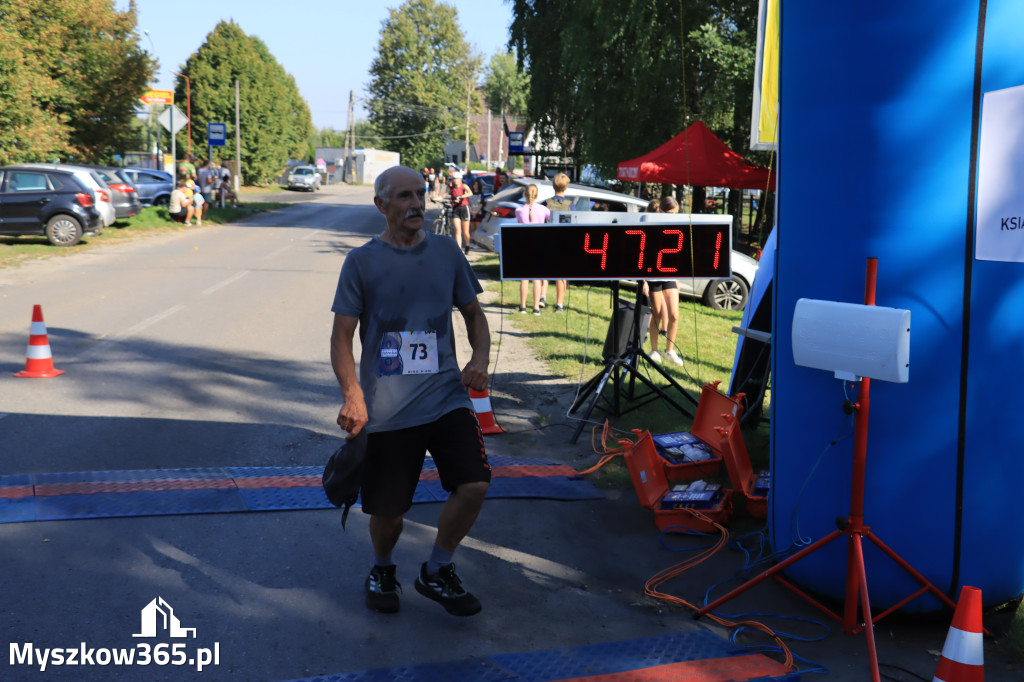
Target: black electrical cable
(965, 342)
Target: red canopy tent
(696, 157)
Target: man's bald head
(386, 180)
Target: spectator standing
(531, 213)
(476, 207)
(187, 168)
(559, 202)
(664, 297)
(410, 394)
(198, 206)
(205, 178)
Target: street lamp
(188, 113)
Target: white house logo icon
(158, 614)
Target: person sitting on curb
(227, 194)
(180, 207)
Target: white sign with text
(1000, 219)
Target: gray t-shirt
(401, 295)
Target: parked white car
(721, 294)
(304, 177)
(502, 206)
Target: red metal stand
(855, 530)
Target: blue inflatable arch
(879, 119)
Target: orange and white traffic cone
(484, 415)
(963, 654)
(38, 358)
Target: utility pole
(501, 138)
(469, 90)
(238, 142)
(348, 137)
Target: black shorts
(461, 212)
(394, 460)
(662, 285)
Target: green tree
(506, 86)
(275, 121)
(421, 79)
(71, 74)
(613, 79)
(365, 137)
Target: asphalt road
(210, 348)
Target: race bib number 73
(408, 353)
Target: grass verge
(151, 220)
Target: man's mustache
(413, 213)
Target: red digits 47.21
(603, 250)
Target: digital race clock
(633, 250)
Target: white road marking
(128, 333)
(230, 280)
(275, 254)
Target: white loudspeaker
(852, 340)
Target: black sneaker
(382, 589)
(446, 589)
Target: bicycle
(443, 222)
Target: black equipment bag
(343, 474)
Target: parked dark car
(122, 192)
(154, 187)
(50, 202)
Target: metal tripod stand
(856, 531)
(618, 365)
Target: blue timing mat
(155, 492)
(697, 655)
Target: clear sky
(327, 46)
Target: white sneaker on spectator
(674, 356)
(655, 356)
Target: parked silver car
(304, 177)
(154, 187)
(122, 192)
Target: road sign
(216, 134)
(172, 119)
(515, 141)
(158, 97)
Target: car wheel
(164, 200)
(726, 294)
(63, 230)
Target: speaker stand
(617, 367)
